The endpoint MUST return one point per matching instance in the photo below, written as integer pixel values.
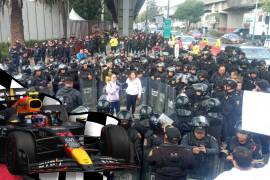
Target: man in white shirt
(242, 162)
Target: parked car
(256, 53)
(243, 32)
(231, 38)
(196, 34)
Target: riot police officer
(171, 160)
(59, 78)
(103, 106)
(40, 80)
(203, 146)
(250, 80)
(182, 114)
(135, 137)
(244, 139)
(231, 108)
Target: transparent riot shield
(89, 93)
(153, 94)
(161, 98)
(145, 90)
(170, 100)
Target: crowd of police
(206, 124)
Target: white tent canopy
(73, 16)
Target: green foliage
(87, 9)
(216, 33)
(190, 10)
(3, 51)
(152, 10)
(266, 6)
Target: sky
(164, 3)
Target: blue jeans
(115, 106)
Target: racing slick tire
(20, 152)
(115, 142)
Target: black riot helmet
(146, 112)
(230, 84)
(155, 123)
(103, 106)
(124, 115)
(202, 74)
(200, 122)
(182, 105)
(211, 104)
(200, 87)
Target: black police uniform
(203, 160)
(73, 94)
(171, 161)
(232, 112)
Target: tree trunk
(16, 21)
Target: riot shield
(145, 90)
(89, 93)
(153, 94)
(122, 93)
(161, 98)
(170, 100)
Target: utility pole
(255, 19)
(168, 9)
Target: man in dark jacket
(70, 97)
(171, 160)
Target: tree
(16, 17)
(190, 11)
(266, 6)
(16, 20)
(152, 10)
(88, 9)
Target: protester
(112, 90)
(242, 162)
(134, 90)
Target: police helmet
(230, 83)
(182, 106)
(181, 101)
(192, 79)
(171, 69)
(62, 66)
(154, 120)
(202, 74)
(161, 64)
(262, 63)
(211, 104)
(253, 70)
(124, 115)
(146, 112)
(103, 106)
(26, 69)
(83, 62)
(200, 87)
(200, 121)
(263, 85)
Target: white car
(187, 41)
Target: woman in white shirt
(134, 90)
